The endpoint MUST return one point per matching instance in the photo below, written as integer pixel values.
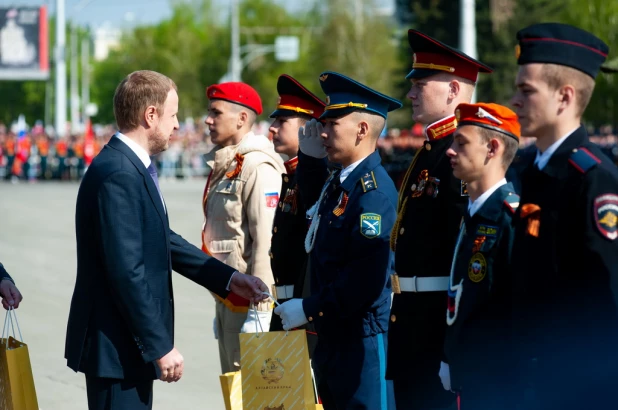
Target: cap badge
(517, 51)
(481, 113)
(323, 77)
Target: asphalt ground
(37, 247)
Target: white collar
(348, 170)
(473, 207)
(135, 147)
(543, 158)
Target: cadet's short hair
(511, 145)
(557, 76)
(136, 92)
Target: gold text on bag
(276, 371)
(16, 381)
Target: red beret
(237, 93)
(491, 116)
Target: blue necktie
(153, 173)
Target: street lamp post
(61, 71)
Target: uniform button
(321, 314)
(171, 300)
(310, 318)
(428, 146)
(574, 149)
(275, 229)
(401, 231)
(330, 222)
(413, 187)
(280, 204)
(286, 179)
(393, 318)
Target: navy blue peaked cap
(345, 95)
(563, 44)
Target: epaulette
(368, 182)
(512, 202)
(583, 160)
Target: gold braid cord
(403, 200)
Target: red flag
(88, 143)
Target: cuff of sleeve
(7, 278)
(311, 307)
(230, 281)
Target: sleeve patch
(370, 225)
(606, 215)
(272, 199)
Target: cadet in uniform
(431, 204)
(295, 107)
(348, 246)
(565, 255)
(477, 345)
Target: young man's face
(535, 103)
(340, 138)
(167, 124)
(468, 153)
(285, 134)
(223, 122)
(429, 98)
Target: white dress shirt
(348, 170)
(543, 158)
(476, 205)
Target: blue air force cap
(562, 44)
(344, 95)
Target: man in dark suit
(8, 291)
(121, 323)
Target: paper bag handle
(9, 324)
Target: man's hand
(292, 314)
(172, 365)
(310, 139)
(251, 324)
(249, 287)
(10, 294)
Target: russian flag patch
(272, 199)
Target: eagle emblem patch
(370, 225)
(477, 269)
(606, 215)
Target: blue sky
(125, 13)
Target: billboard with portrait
(23, 43)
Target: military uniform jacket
(479, 303)
(431, 205)
(351, 258)
(565, 261)
(287, 252)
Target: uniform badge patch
(371, 225)
(272, 199)
(606, 215)
(486, 230)
(477, 269)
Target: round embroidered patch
(477, 269)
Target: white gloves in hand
(251, 324)
(214, 328)
(292, 314)
(445, 376)
(310, 139)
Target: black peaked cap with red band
(562, 44)
(432, 57)
(295, 99)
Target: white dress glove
(292, 314)
(310, 139)
(251, 324)
(445, 376)
(214, 328)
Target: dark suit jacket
(122, 312)
(4, 273)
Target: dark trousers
(351, 374)
(115, 394)
(422, 389)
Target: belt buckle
(395, 283)
(274, 292)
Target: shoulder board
(368, 182)
(583, 160)
(512, 202)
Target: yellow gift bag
(232, 390)
(276, 373)
(16, 381)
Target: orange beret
(237, 93)
(491, 116)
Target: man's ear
(566, 96)
(494, 147)
(454, 88)
(151, 115)
(363, 130)
(242, 118)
